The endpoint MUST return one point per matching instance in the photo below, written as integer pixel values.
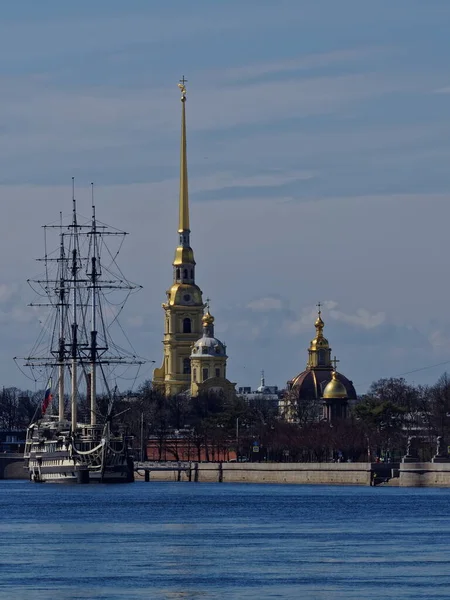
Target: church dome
(206, 347)
(312, 383)
(335, 388)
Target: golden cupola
(207, 319)
(335, 388)
(319, 352)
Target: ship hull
(63, 458)
(68, 471)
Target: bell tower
(184, 305)
(319, 351)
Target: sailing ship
(78, 443)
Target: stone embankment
(12, 466)
(293, 473)
(393, 474)
(405, 474)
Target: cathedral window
(185, 273)
(192, 273)
(217, 372)
(195, 374)
(178, 274)
(186, 366)
(204, 350)
(205, 374)
(321, 358)
(186, 325)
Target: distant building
(264, 395)
(12, 440)
(319, 391)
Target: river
(222, 541)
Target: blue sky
(319, 153)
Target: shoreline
(405, 474)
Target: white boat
(72, 440)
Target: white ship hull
(63, 458)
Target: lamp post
(142, 437)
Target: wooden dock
(146, 468)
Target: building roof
(311, 383)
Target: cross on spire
(319, 306)
(207, 301)
(182, 87)
(335, 362)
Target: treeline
(378, 426)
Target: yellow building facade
(184, 305)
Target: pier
(180, 470)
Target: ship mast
(74, 348)
(62, 341)
(93, 349)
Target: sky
(319, 170)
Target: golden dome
(334, 389)
(207, 319)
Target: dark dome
(312, 383)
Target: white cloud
(309, 61)
(362, 318)
(266, 304)
(8, 291)
(136, 321)
(444, 90)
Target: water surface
(222, 541)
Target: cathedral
(320, 384)
(194, 361)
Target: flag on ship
(48, 396)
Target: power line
(446, 362)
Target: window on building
(186, 325)
(185, 273)
(321, 358)
(178, 274)
(186, 366)
(205, 374)
(192, 273)
(204, 350)
(195, 374)
(217, 372)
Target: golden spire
(184, 196)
